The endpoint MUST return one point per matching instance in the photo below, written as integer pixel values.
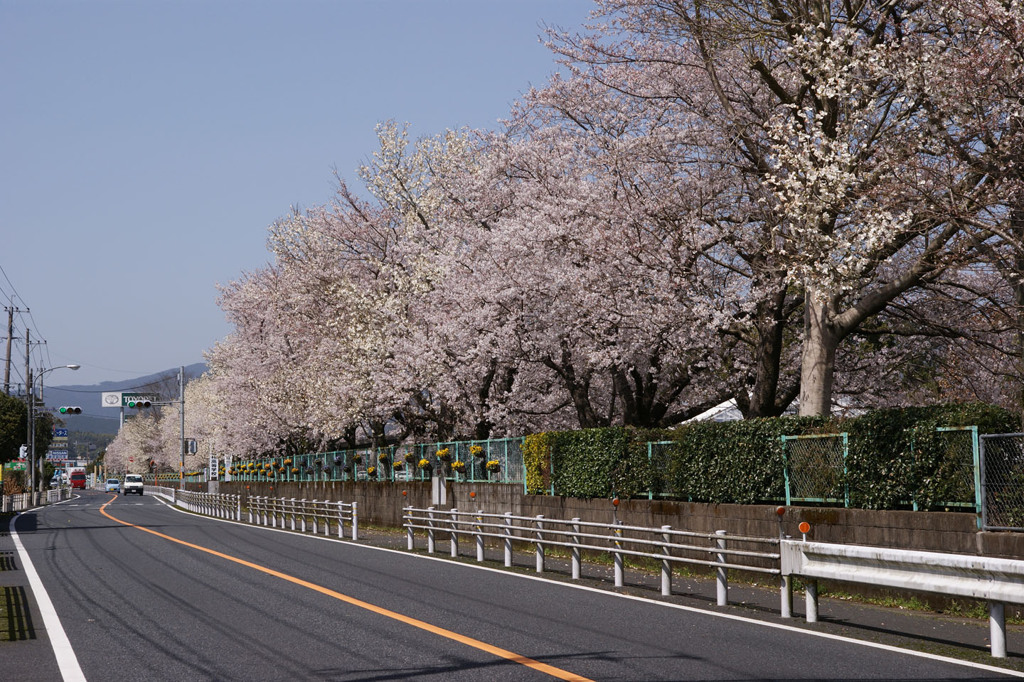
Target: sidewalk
(25, 651)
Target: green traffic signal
(69, 409)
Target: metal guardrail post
(540, 542)
(355, 521)
(410, 541)
(341, 519)
(666, 564)
(577, 555)
(620, 569)
(479, 535)
(811, 600)
(454, 538)
(785, 596)
(430, 530)
(508, 539)
(723, 577)
(997, 629)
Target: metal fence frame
(842, 475)
(990, 486)
(975, 465)
(402, 463)
(392, 463)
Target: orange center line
(408, 620)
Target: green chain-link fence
(1002, 474)
(815, 468)
(496, 461)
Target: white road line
(66, 659)
(680, 607)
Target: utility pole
(29, 400)
(181, 397)
(10, 336)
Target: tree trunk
(578, 388)
(1017, 229)
(818, 360)
(763, 401)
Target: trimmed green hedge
(896, 457)
(734, 461)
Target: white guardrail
(23, 501)
(718, 550)
(997, 581)
(318, 516)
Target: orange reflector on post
(804, 527)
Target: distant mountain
(98, 419)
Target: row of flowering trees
(779, 203)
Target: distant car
(113, 485)
(78, 480)
(132, 484)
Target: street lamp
(32, 423)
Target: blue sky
(146, 146)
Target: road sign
(60, 433)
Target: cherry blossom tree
(816, 101)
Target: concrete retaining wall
(381, 503)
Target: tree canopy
(780, 203)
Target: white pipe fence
(670, 546)
(321, 517)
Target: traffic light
(66, 409)
(139, 403)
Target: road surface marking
(619, 595)
(70, 670)
(422, 625)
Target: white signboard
(213, 467)
(111, 399)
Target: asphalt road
(244, 603)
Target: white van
(132, 484)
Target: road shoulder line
(67, 661)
